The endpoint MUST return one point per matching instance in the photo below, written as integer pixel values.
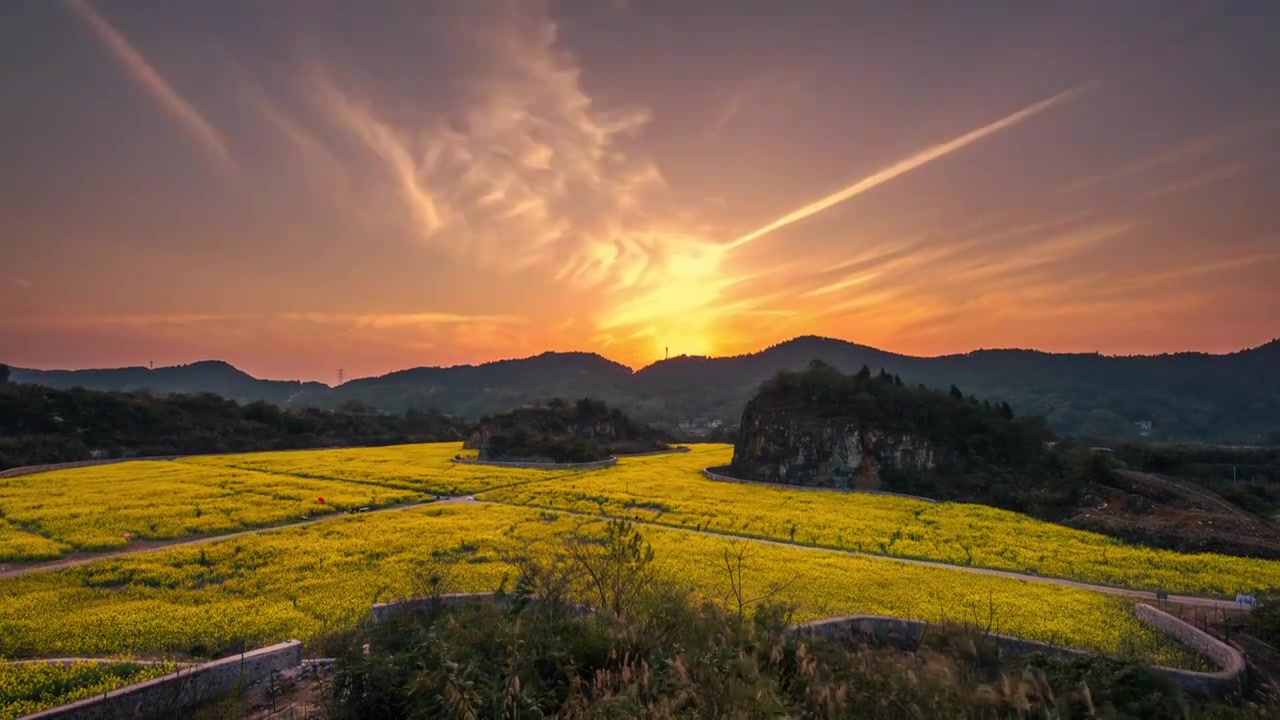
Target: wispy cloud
(394, 151)
(527, 172)
(19, 281)
(188, 118)
(1201, 180)
(742, 98)
(1191, 149)
(907, 165)
(384, 321)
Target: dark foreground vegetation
(40, 425)
(562, 432)
(650, 650)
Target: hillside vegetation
(40, 425)
(558, 431)
(821, 427)
(1186, 396)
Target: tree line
(40, 425)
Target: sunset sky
(301, 186)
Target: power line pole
(339, 376)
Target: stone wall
(894, 630)
(32, 469)
(596, 465)
(890, 630)
(1227, 679)
(676, 449)
(164, 697)
(718, 473)
(29, 469)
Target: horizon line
(634, 369)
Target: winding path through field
(142, 546)
(1188, 600)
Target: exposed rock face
(781, 444)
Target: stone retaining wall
(716, 473)
(164, 697)
(29, 469)
(1229, 678)
(596, 465)
(894, 630)
(32, 469)
(676, 449)
(884, 629)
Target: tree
(736, 554)
(615, 569)
(4, 373)
(955, 393)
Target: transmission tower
(339, 376)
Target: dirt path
(1188, 600)
(106, 659)
(1195, 491)
(142, 546)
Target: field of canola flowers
(17, 544)
(104, 507)
(670, 490)
(426, 468)
(311, 581)
(28, 688)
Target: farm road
(1144, 595)
(142, 546)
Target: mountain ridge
(1186, 395)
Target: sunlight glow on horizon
(457, 183)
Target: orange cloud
(207, 137)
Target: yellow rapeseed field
(17, 544)
(106, 506)
(426, 468)
(26, 688)
(670, 490)
(307, 582)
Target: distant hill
(208, 376)
(475, 390)
(1186, 396)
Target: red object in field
(321, 501)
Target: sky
(299, 186)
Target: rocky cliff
(783, 443)
(863, 432)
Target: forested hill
(209, 376)
(40, 425)
(1187, 396)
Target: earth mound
(560, 432)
